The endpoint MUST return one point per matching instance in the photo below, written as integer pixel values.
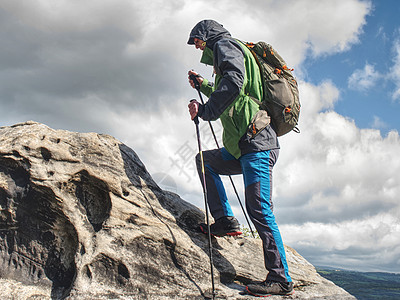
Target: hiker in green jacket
(248, 152)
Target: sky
(120, 67)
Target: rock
(81, 218)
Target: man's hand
(198, 78)
(193, 108)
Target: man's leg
(218, 162)
(257, 172)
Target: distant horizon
(348, 270)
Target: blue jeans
(256, 168)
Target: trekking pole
(203, 174)
(197, 86)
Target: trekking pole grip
(194, 79)
(196, 118)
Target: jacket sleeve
(207, 87)
(229, 64)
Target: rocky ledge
(81, 218)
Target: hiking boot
(267, 288)
(222, 227)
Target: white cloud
(134, 54)
(377, 123)
(297, 29)
(316, 99)
(364, 79)
(381, 33)
(336, 190)
(371, 243)
(337, 169)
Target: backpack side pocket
(258, 123)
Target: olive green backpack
(281, 94)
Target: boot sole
(233, 233)
(267, 295)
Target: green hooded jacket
(237, 78)
(236, 118)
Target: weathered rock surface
(80, 218)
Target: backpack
(281, 94)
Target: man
(248, 152)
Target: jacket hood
(209, 31)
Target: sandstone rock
(81, 218)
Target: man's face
(199, 44)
